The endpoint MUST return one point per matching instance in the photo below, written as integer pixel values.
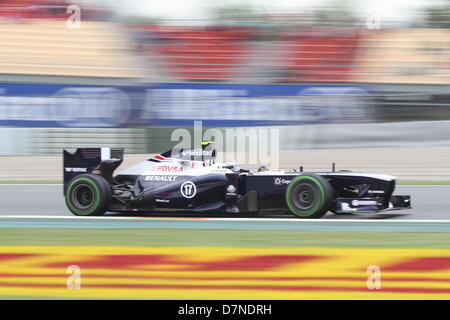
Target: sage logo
(188, 189)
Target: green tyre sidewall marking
(316, 206)
(69, 197)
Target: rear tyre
(309, 196)
(88, 195)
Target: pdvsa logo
(167, 168)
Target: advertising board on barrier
(45, 105)
(41, 105)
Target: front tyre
(309, 196)
(88, 195)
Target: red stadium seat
(319, 60)
(199, 54)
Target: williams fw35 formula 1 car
(191, 181)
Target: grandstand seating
(197, 54)
(48, 47)
(34, 40)
(321, 59)
(25, 9)
(413, 56)
(347, 55)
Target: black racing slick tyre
(309, 196)
(88, 195)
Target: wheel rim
(304, 196)
(83, 196)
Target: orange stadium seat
(48, 47)
(410, 56)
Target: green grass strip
(220, 238)
(423, 183)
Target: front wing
(372, 205)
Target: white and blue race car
(191, 181)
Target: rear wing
(101, 161)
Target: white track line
(422, 185)
(32, 184)
(223, 219)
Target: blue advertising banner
(251, 105)
(219, 105)
(44, 105)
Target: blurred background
(329, 74)
(364, 84)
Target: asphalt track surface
(429, 203)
